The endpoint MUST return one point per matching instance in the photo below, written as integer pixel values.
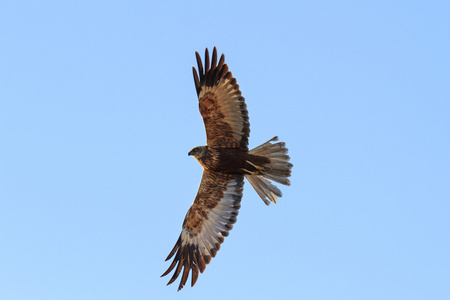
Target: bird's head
(198, 152)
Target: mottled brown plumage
(221, 105)
(226, 161)
(207, 222)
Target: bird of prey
(226, 160)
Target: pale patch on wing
(207, 223)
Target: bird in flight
(226, 160)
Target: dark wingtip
(199, 63)
(194, 275)
(184, 277)
(206, 60)
(214, 59)
(196, 80)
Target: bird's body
(229, 160)
(226, 160)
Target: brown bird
(226, 160)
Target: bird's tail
(278, 169)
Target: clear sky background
(98, 112)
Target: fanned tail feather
(278, 170)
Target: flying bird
(226, 160)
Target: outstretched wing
(207, 222)
(221, 105)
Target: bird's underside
(226, 161)
(230, 160)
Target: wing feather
(221, 104)
(207, 222)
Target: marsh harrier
(226, 160)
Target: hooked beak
(190, 153)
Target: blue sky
(98, 111)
